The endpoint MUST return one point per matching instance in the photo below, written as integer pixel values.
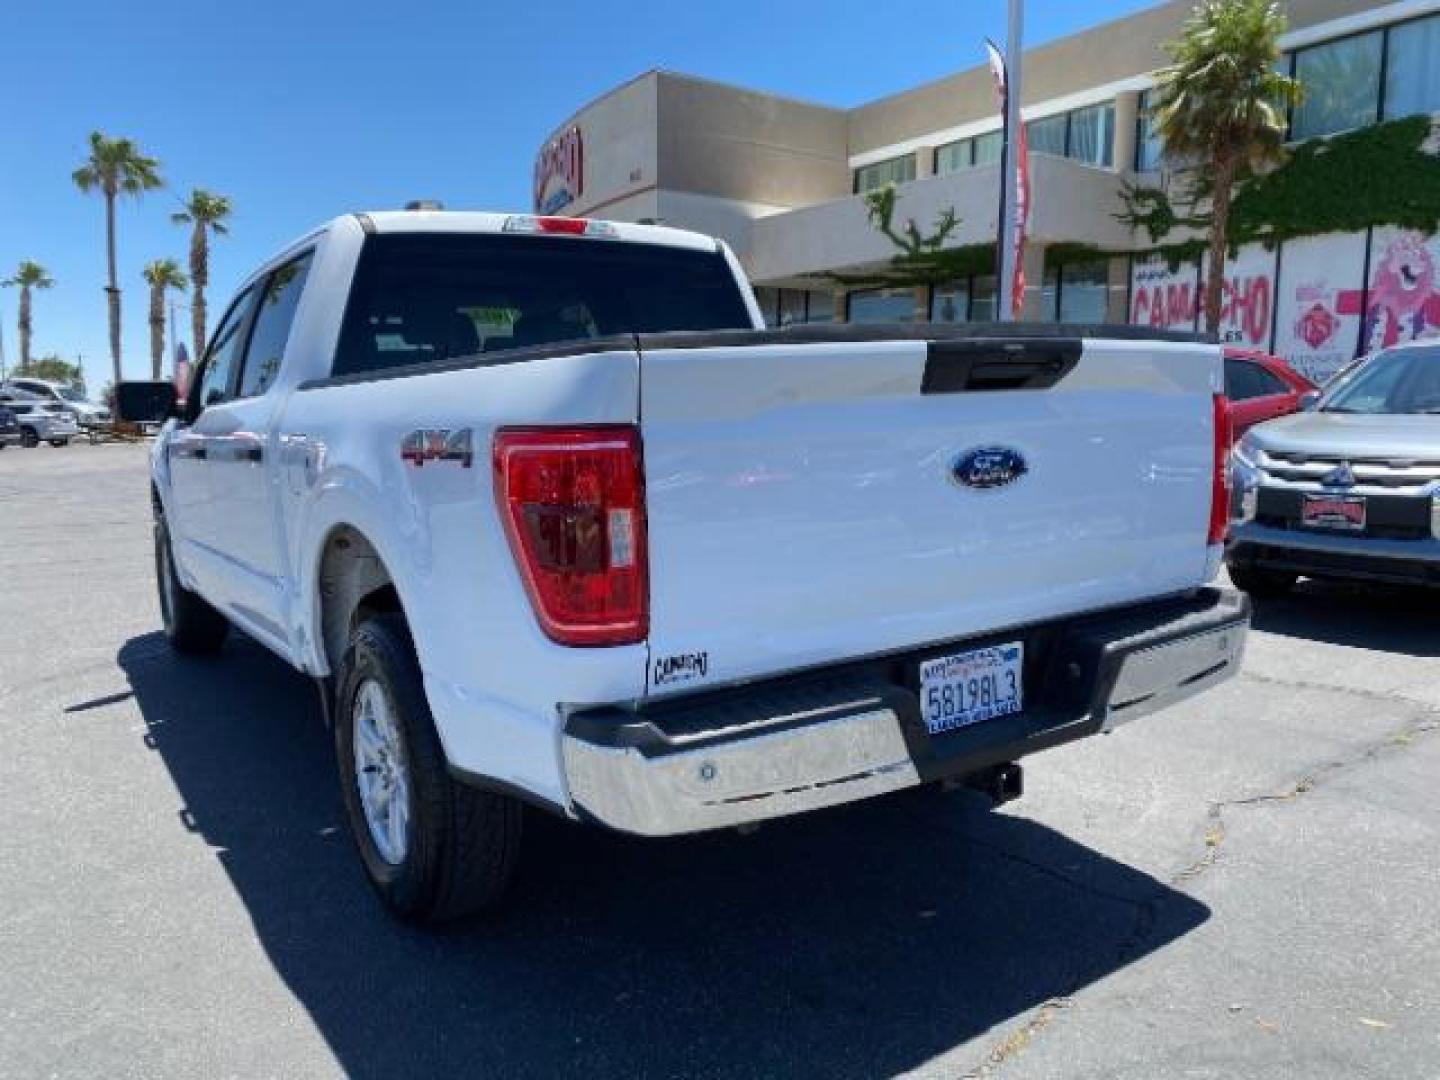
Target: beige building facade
(782, 181)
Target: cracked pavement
(1246, 885)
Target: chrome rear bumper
(750, 779)
(740, 756)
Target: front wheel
(434, 849)
(1262, 584)
(57, 443)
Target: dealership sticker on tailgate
(968, 687)
(682, 667)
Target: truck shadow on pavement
(856, 942)
(1381, 618)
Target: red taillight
(573, 503)
(1220, 485)
(573, 225)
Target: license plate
(1333, 511)
(968, 687)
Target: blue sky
(309, 108)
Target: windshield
(69, 393)
(1396, 381)
(422, 298)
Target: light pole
(1009, 174)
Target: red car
(1261, 387)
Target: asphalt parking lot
(1246, 886)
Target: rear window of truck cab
(423, 298)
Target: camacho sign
(560, 172)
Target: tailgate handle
(953, 367)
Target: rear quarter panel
(495, 682)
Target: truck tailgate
(804, 503)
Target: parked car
(552, 519)
(1261, 387)
(9, 427)
(39, 418)
(1349, 489)
(64, 399)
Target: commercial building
(783, 182)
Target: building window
(983, 302)
(788, 307)
(1050, 295)
(820, 307)
(988, 147)
(950, 303)
(1412, 69)
(881, 306)
(952, 157)
(792, 306)
(1341, 80)
(967, 153)
(899, 170)
(1084, 292)
(1086, 134)
(1047, 136)
(1092, 135)
(1149, 148)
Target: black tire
(460, 843)
(29, 438)
(1262, 584)
(192, 626)
(57, 443)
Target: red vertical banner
(182, 370)
(1021, 193)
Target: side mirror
(1309, 400)
(145, 402)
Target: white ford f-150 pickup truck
(551, 519)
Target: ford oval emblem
(989, 467)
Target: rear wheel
(29, 438)
(191, 624)
(433, 849)
(1262, 584)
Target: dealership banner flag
(1021, 194)
(182, 370)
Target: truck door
(192, 526)
(242, 456)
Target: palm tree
(160, 274)
(205, 212)
(28, 276)
(1221, 103)
(115, 167)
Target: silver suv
(39, 418)
(63, 399)
(1349, 488)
